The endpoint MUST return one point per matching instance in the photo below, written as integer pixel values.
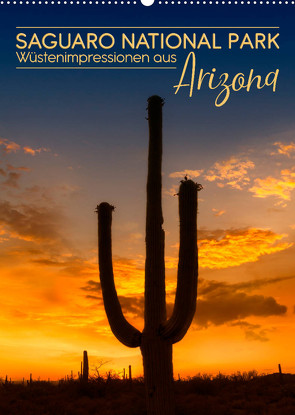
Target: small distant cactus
(85, 367)
(159, 334)
(130, 374)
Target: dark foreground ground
(244, 394)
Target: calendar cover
(130, 114)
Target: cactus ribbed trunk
(156, 351)
(158, 375)
(159, 334)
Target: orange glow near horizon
(51, 304)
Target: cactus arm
(155, 306)
(186, 293)
(125, 332)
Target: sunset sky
(72, 139)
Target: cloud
(135, 237)
(33, 152)
(9, 146)
(68, 265)
(245, 324)
(173, 191)
(12, 180)
(93, 297)
(283, 149)
(281, 203)
(233, 247)
(232, 172)
(31, 223)
(130, 304)
(218, 212)
(92, 286)
(278, 187)
(218, 303)
(208, 286)
(3, 236)
(260, 336)
(40, 195)
(128, 276)
(225, 248)
(12, 147)
(21, 168)
(253, 332)
(12, 175)
(221, 303)
(95, 288)
(190, 173)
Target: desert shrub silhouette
(198, 395)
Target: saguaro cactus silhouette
(159, 334)
(85, 367)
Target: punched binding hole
(147, 2)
